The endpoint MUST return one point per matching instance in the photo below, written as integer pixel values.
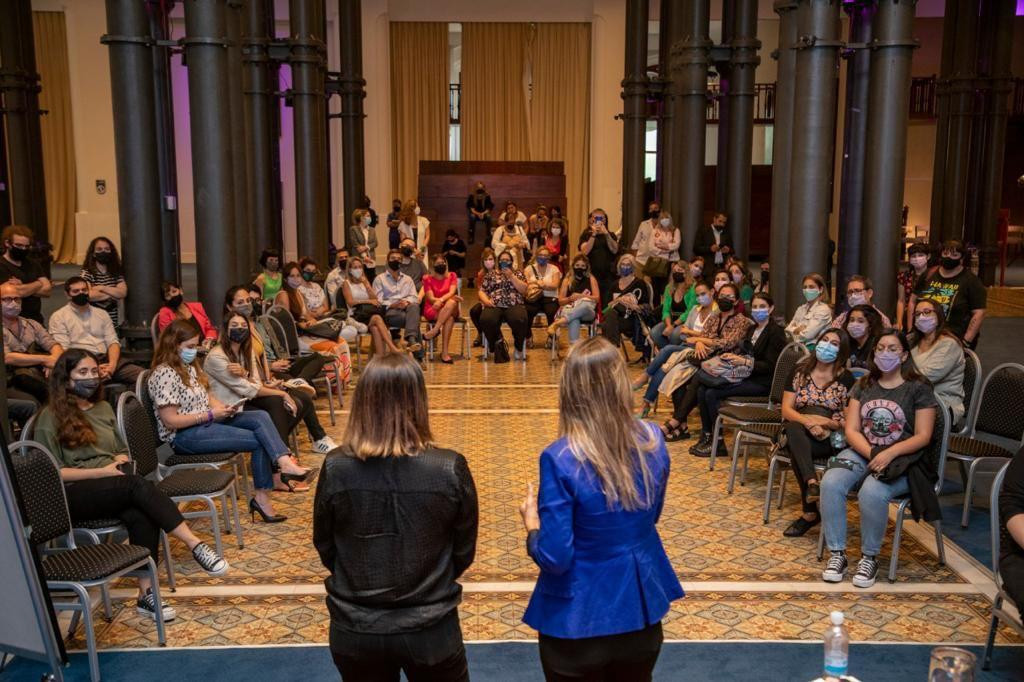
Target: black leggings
(474, 315)
(515, 317)
(616, 324)
(684, 399)
(548, 306)
(803, 451)
(629, 657)
(307, 367)
(143, 509)
(283, 419)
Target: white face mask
(366, 220)
(556, 231)
(356, 273)
(665, 222)
(416, 210)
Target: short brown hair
(389, 410)
(12, 231)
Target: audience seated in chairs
(740, 276)
(29, 350)
(674, 306)
(411, 265)
(238, 373)
(938, 355)
(579, 297)
(320, 306)
(863, 325)
(628, 301)
(337, 275)
(555, 238)
(859, 292)
(360, 299)
(78, 427)
(270, 278)
(501, 298)
(814, 314)
(194, 422)
(102, 269)
(441, 301)
(814, 413)
(397, 293)
(544, 277)
(889, 424)
(18, 267)
(176, 308)
(81, 325)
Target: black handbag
(324, 329)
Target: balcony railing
(923, 92)
(454, 103)
(764, 103)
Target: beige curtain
(419, 100)
(494, 124)
(559, 57)
(56, 130)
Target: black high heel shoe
(299, 478)
(255, 508)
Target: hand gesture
(237, 369)
(880, 461)
(223, 412)
(106, 370)
(528, 510)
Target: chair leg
(330, 399)
(897, 535)
(772, 467)
(161, 635)
(215, 525)
(90, 635)
(717, 433)
(986, 658)
(735, 460)
(782, 488)
(968, 493)
(746, 461)
(225, 514)
(168, 562)
(73, 625)
(108, 611)
(940, 542)
(241, 475)
(238, 522)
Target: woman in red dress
(441, 301)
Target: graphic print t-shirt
(958, 296)
(887, 414)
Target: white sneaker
(146, 605)
(301, 385)
(324, 445)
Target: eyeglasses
(851, 292)
(728, 297)
(923, 313)
(10, 299)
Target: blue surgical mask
(542, 260)
(188, 355)
(704, 299)
(811, 294)
(625, 270)
(505, 264)
(759, 315)
(826, 352)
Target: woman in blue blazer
(605, 580)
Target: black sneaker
(146, 605)
(835, 569)
(867, 571)
(209, 560)
(705, 441)
(478, 343)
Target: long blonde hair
(595, 404)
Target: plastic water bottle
(837, 647)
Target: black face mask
(103, 257)
(479, 191)
(580, 272)
(342, 264)
(85, 388)
(654, 214)
(308, 276)
(440, 269)
(407, 251)
(238, 334)
(726, 304)
(395, 265)
(174, 301)
(678, 277)
(396, 208)
(950, 263)
(18, 253)
(80, 299)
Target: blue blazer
(602, 571)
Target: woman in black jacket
(395, 522)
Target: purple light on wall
(1020, 8)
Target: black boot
(702, 448)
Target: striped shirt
(107, 280)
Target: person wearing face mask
(441, 304)
(674, 307)
(939, 355)
(362, 240)
(411, 265)
(81, 325)
(643, 240)
(176, 308)
(578, 298)
(478, 208)
(763, 285)
(740, 276)
(664, 252)
(501, 295)
(488, 262)
(18, 268)
(629, 297)
(415, 227)
(397, 293)
(543, 274)
(511, 236)
(813, 412)
(78, 427)
(812, 316)
(713, 241)
(312, 293)
(238, 375)
(600, 245)
(334, 279)
(555, 238)
(454, 252)
(102, 269)
(537, 222)
(269, 280)
(863, 324)
(394, 219)
(859, 292)
(959, 291)
(361, 301)
(512, 214)
(29, 350)
(892, 414)
(907, 279)
(194, 422)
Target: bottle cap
(836, 617)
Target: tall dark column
(135, 151)
(999, 38)
(672, 28)
(723, 66)
(782, 153)
(634, 117)
(206, 54)
(892, 51)
(689, 87)
(855, 124)
(665, 40)
(813, 140)
(353, 91)
(260, 108)
(742, 67)
(308, 55)
(244, 252)
(170, 252)
(942, 124)
(954, 190)
(19, 85)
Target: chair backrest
(42, 490)
(999, 411)
(940, 440)
(154, 329)
(972, 383)
(29, 427)
(138, 432)
(784, 366)
(996, 522)
(283, 327)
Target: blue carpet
(976, 539)
(518, 662)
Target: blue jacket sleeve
(552, 547)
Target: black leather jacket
(395, 533)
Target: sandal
(292, 487)
(677, 434)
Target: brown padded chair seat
(92, 562)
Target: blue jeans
(252, 431)
(655, 372)
(675, 338)
(872, 498)
(710, 400)
(580, 313)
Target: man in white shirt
(336, 277)
(81, 325)
(859, 292)
(643, 242)
(396, 292)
